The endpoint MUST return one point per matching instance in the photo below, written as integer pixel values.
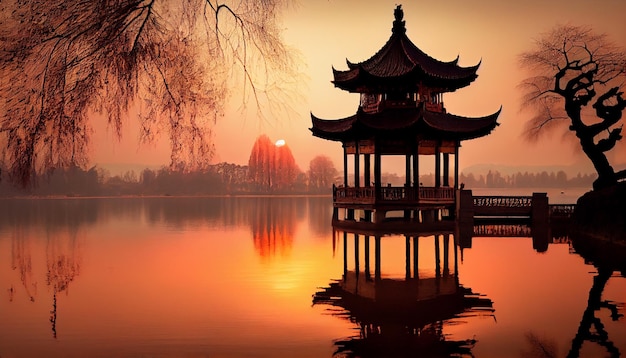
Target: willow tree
(577, 79)
(168, 64)
(271, 167)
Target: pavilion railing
(343, 194)
(432, 193)
(392, 194)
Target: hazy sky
(327, 32)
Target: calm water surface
(264, 277)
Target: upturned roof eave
(358, 79)
(412, 122)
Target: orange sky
(328, 32)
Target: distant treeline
(227, 178)
(527, 180)
(218, 179)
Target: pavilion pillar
(446, 169)
(377, 171)
(456, 166)
(437, 165)
(345, 166)
(407, 183)
(407, 170)
(416, 170)
(357, 169)
(367, 169)
(379, 215)
(416, 178)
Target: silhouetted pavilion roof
(400, 65)
(404, 122)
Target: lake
(268, 277)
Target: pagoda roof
(400, 64)
(404, 123)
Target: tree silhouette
(260, 165)
(172, 62)
(322, 173)
(285, 168)
(271, 167)
(572, 68)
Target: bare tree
(171, 61)
(573, 68)
(321, 173)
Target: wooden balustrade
(367, 195)
(433, 193)
(351, 193)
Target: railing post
(540, 208)
(540, 221)
(465, 217)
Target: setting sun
(280, 142)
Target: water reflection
(234, 277)
(273, 224)
(402, 316)
(21, 262)
(541, 234)
(608, 259)
(61, 223)
(320, 214)
(47, 235)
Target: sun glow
(280, 142)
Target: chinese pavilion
(401, 113)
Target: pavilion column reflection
(404, 311)
(408, 257)
(368, 275)
(356, 259)
(377, 274)
(437, 257)
(362, 264)
(345, 255)
(415, 257)
(446, 245)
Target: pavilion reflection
(608, 259)
(402, 316)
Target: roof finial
(398, 24)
